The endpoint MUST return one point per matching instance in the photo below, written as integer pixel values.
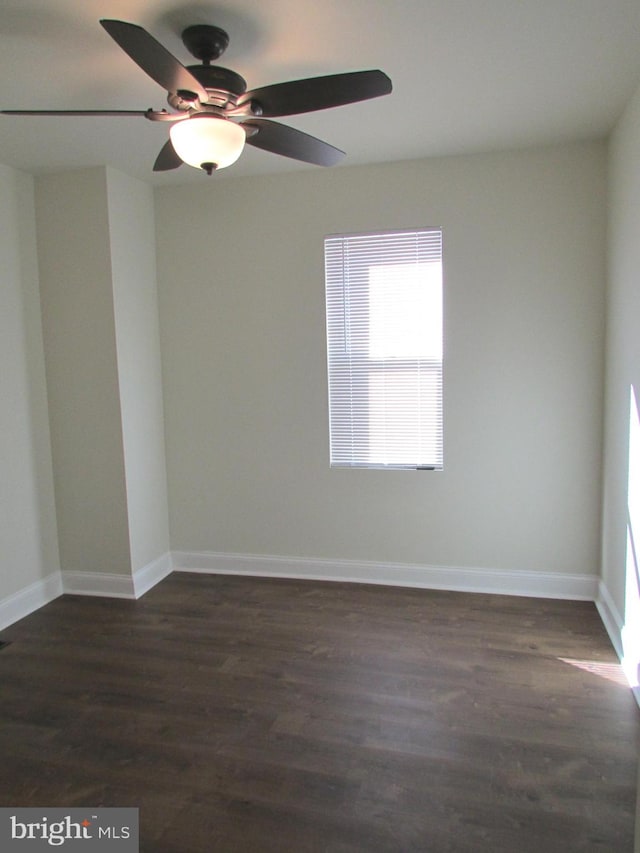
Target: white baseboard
(98, 583)
(148, 576)
(118, 586)
(534, 584)
(25, 601)
(31, 598)
(615, 627)
(611, 618)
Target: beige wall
(621, 513)
(99, 305)
(243, 349)
(240, 271)
(82, 378)
(133, 265)
(28, 539)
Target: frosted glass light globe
(207, 142)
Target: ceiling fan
(213, 114)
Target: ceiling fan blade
(317, 93)
(74, 112)
(153, 58)
(167, 158)
(285, 140)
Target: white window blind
(384, 347)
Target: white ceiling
(468, 75)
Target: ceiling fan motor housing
(216, 77)
(207, 43)
(223, 87)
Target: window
(384, 348)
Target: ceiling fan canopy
(213, 114)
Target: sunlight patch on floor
(609, 671)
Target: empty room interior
(206, 613)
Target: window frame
(355, 358)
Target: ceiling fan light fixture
(208, 142)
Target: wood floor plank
(259, 715)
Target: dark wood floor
(255, 715)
